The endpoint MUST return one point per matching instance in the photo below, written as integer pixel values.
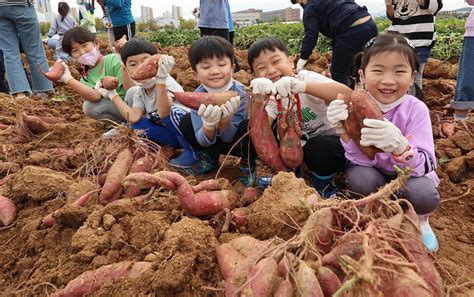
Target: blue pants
(3, 87)
(464, 95)
(20, 23)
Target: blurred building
(167, 14)
(176, 12)
(248, 16)
(167, 21)
(283, 15)
(146, 14)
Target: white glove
(66, 77)
(230, 107)
(261, 86)
(165, 64)
(287, 85)
(107, 22)
(104, 92)
(210, 115)
(384, 135)
(337, 113)
(300, 64)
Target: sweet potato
(193, 99)
(239, 216)
(350, 245)
(285, 265)
(7, 210)
(247, 245)
(361, 106)
(145, 180)
(39, 124)
(90, 281)
(250, 195)
(306, 282)
(328, 280)
(291, 151)
(147, 69)
(408, 284)
(284, 289)
(115, 175)
(417, 253)
(239, 276)
(318, 228)
(263, 138)
(55, 72)
(143, 164)
(109, 82)
(206, 185)
(263, 277)
(227, 258)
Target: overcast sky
(159, 7)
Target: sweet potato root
(194, 99)
(7, 210)
(227, 258)
(39, 124)
(247, 245)
(350, 245)
(263, 277)
(328, 280)
(109, 82)
(306, 282)
(361, 106)
(263, 138)
(55, 72)
(284, 289)
(147, 69)
(143, 164)
(90, 281)
(291, 151)
(115, 175)
(318, 228)
(239, 216)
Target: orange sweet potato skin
(147, 69)
(361, 106)
(7, 210)
(290, 148)
(110, 82)
(115, 175)
(194, 99)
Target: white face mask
(387, 107)
(146, 85)
(90, 58)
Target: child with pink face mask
(80, 44)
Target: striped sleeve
(17, 3)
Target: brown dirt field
(42, 174)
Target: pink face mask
(89, 58)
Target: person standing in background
(120, 12)
(3, 86)
(19, 24)
(213, 18)
(415, 20)
(231, 24)
(86, 15)
(107, 24)
(61, 23)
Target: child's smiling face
(272, 65)
(78, 49)
(216, 72)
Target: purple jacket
(470, 21)
(413, 119)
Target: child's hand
(337, 113)
(66, 77)
(165, 64)
(230, 107)
(261, 86)
(210, 115)
(104, 92)
(287, 86)
(384, 135)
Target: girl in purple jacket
(388, 69)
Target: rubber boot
(325, 185)
(427, 234)
(187, 157)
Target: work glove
(230, 107)
(104, 92)
(107, 22)
(384, 135)
(165, 64)
(337, 113)
(287, 86)
(300, 64)
(261, 86)
(66, 77)
(210, 115)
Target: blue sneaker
(248, 169)
(325, 185)
(264, 181)
(427, 235)
(207, 162)
(186, 159)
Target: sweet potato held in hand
(194, 100)
(109, 82)
(361, 106)
(147, 69)
(55, 72)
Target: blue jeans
(20, 23)
(464, 95)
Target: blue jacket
(331, 18)
(120, 12)
(229, 16)
(228, 134)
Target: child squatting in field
(214, 129)
(323, 153)
(387, 69)
(147, 105)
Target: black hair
(388, 42)
(136, 46)
(208, 47)
(266, 43)
(77, 34)
(63, 9)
